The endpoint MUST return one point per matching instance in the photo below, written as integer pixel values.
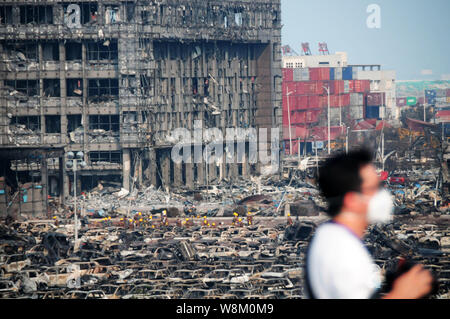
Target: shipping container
(332, 78)
(305, 117)
(319, 74)
(448, 92)
(288, 75)
(356, 112)
(375, 99)
(301, 74)
(448, 99)
(346, 86)
(347, 73)
(356, 99)
(338, 73)
(291, 87)
(372, 112)
(338, 86)
(441, 93)
(401, 101)
(309, 87)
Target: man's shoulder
(333, 236)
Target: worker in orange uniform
(289, 219)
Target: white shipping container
(357, 99)
(382, 112)
(338, 73)
(301, 74)
(356, 112)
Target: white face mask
(381, 208)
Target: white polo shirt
(340, 266)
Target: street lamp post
(72, 163)
(328, 92)
(289, 122)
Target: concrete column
(151, 172)
(62, 183)
(44, 183)
(189, 172)
(245, 166)
(178, 174)
(126, 167)
(212, 172)
(165, 169)
(201, 173)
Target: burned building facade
(113, 78)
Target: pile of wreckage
(196, 258)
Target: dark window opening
(52, 88)
(74, 87)
(50, 51)
(129, 11)
(30, 122)
(73, 122)
(6, 15)
(22, 51)
(99, 87)
(109, 157)
(27, 87)
(106, 50)
(36, 14)
(73, 51)
(104, 122)
(129, 82)
(52, 124)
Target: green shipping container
(411, 101)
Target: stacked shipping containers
(304, 95)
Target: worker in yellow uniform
(249, 219)
(235, 219)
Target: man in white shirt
(338, 265)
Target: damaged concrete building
(113, 78)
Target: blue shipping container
(372, 112)
(347, 73)
(332, 74)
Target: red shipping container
(401, 101)
(375, 99)
(291, 87)
(338, 87)
(319, 74)
(366, 86)
(288, 74)
(448, 93)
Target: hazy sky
(414, 35)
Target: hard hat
(130, 220)
(121, 219)
(289, 214)
(164, 212)
(204, 216)
(249, 213)
(240, 219)
(141, 220)
(54, 217)
(109, 217)
(140, 214)
(151, 217)
(235, 214)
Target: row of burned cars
(39, 260)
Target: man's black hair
(340, 175)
